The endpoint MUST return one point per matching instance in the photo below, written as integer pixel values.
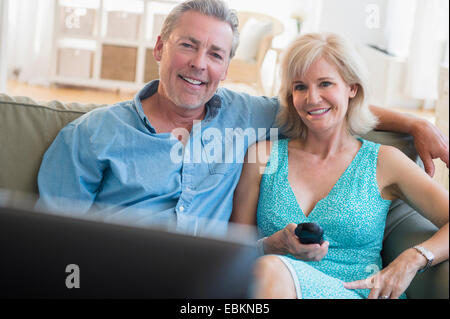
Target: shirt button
(181, 208)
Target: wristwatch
(428, 256)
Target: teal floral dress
(353, 216)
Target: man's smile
(191, 80)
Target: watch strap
(428, 256)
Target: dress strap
(278, 157)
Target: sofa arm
(406, 228)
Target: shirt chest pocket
(223, 152)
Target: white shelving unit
(107, 43)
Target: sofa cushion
(251, 35)
(403, 142)
(27, 129)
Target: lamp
(299, 17)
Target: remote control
(309, 233)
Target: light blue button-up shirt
(112, 162)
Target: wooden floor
(98, 96)
(67, 93)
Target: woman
(324, 174)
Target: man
(126, 160)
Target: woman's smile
(319, 112)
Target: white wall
(3, 42)
(283, 9)
(362, 21)
(366, 22)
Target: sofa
(27, 129)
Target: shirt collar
(148, 90)
(212, 106)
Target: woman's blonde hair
(297, 59)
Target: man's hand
(429, 141)
(430, 144)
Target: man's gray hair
(213, 8)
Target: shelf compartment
(118, 62)
(157, 11)
(123, 25)
(74, 21)
(75, 63)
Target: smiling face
(194, 59)
(321, 97)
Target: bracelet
(260, 246)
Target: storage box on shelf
(118, 63)
(123, 25)
(77, 21)
(75, 63)
(151, 66)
